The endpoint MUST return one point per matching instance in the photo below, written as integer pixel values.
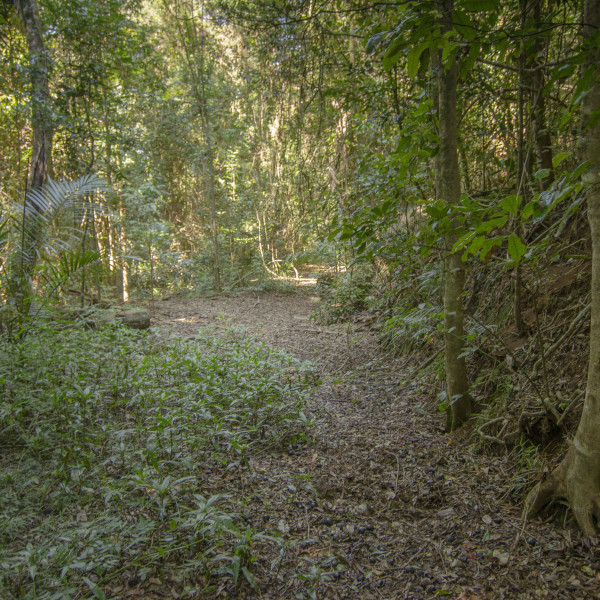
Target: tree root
(574, 481)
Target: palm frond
(52, 216)
(72, 265)
(49, 224)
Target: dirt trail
(380, 504)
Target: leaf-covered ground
(241, 450)
(379, 502)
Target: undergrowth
(344, 294)
(109, 439)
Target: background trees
(429, 152)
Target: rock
(136, 319)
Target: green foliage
(107, 438)
(344, 294)
(42, 241)
(494, 223)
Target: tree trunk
(41, 150)
(123, 253)
(536, 83)
(41, 123)
(448, 179)
(577, 478)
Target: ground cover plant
(107, 439)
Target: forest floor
(378, 503)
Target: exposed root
(576, 483)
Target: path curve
(380, 504)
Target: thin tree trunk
(522, 175)
(457, 385)
(536, 83)
(577, 478)
(123, 252)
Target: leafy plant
(106, 442)
(344, 294)
(42, 242)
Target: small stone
(409, 569)
(283, 526)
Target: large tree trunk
(41, 150)
(448, 179)
(577, 478)
(41, 121)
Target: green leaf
(464, 25)
(375, 41)
(491, 224)
(559, 158)
(236, 562)
(541, 173)
(392, 54)
(529, 209)
(474, 247)
(98, 593)
(463, 241)
(488, 245)
(580, 170)
(413, 60)
(511, 204)
(250, 578)
(424, 63)
(448, 50)
(516, 248)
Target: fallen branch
(490, 438)
(425, 364)
(582, 314)
(578, 396)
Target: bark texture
(41, 110)
(448, 179)
(577, 478)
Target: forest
(299, 299)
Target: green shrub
(106, 437)
(344, 294)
